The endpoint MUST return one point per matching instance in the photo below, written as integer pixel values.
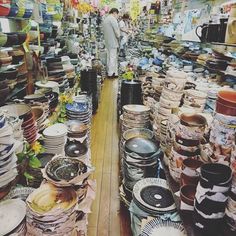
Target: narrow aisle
(106, 219)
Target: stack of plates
(13, 212)
(81, 110)
(135, 116)
(51, 211)
(8, 171)
(153, 196)
(141, 158)
(40, 117)
(55, 138)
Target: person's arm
(116, 28)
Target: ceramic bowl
(225, 110)
(20, 110)
(3, 84)
(65, 169)
(227, 98)
(21, 37)
(38, 112)
(12, 39)
(5, 61)
(28, 13)
(193, 120)
(216, 173)
(9, 74)
(75, 149)
(3, 39)
(21, 12)
(4, 10)
(187, 194)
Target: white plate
(136, 108)
(12, 212)
(147, 182)
(57, 130)
(157, 227)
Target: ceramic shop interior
(152, 152)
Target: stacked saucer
(151, 198)
(135, 116)
(8, 170)
(140, 160)
(13, 212)
(145, 194)
(51, 210)
(55, 138)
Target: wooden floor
(108, 217)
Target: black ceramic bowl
(216, 173)
(12, 39)
(75, 149)
(9, 74)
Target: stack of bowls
(51, 210)
(189, 133)
(16, 123)
(37, 172)
(38, 100)
(211, 197)
(222, 136)
(29, 125)
(152, 198)
(226, 103)
(195, 99)
(230, 213)
(13, 213)
(8, 170)
(170, 99)
(81, 110)
(17, 56)
(11, 77)
(141, 160)
(40, 117)
(77, 130)
(55, 138)
(4, 89)
(5, 59)
(135, 116)
(211, 101)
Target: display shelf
(187, 216)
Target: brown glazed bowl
(187, 194)
(225, 110)
(193, 120)
(227, 98)
(188, 180)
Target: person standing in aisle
(124, 29)
(112, 36)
